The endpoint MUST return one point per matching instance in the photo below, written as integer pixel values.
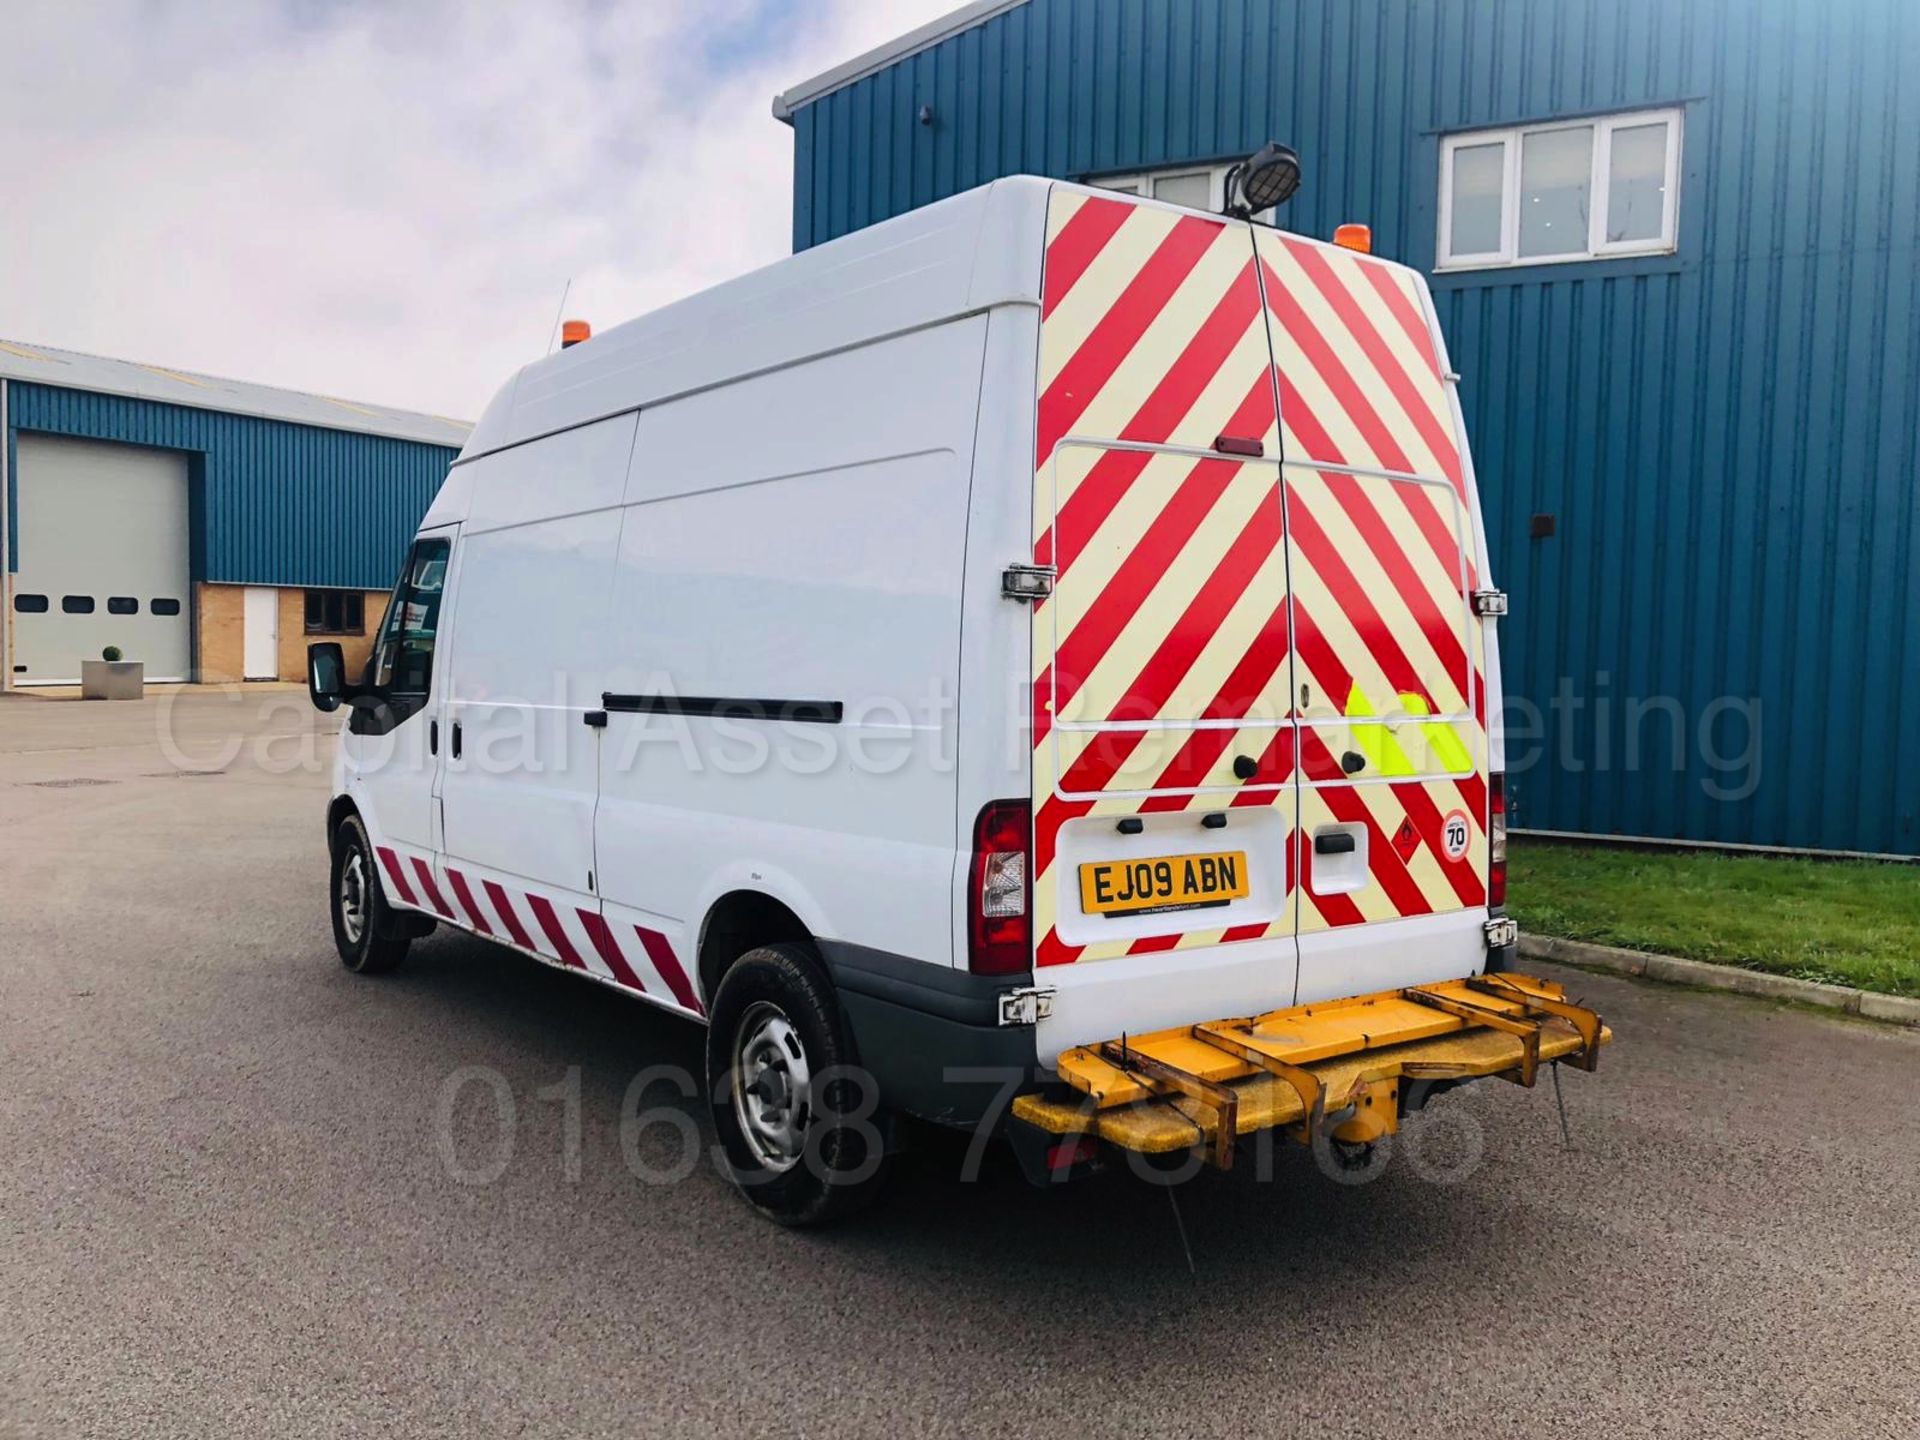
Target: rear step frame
(1226, 1105)
(1533, 1013)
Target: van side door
(531, 643)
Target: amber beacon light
(573, 332)
(1354, 237)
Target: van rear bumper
(931, 1035)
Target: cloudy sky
(382, 201)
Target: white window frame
(1140, 183)
(1511, 138)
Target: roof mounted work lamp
(1263, 180)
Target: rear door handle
(1336, 842)
(456, 739)
(433, 737)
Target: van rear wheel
(795, 1115)
(368, 934)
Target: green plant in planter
(110, 654)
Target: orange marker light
(1354, 237)
(573, 332)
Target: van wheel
(367, 933)
(796, 1116)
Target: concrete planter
(112, 680)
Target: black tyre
(370, 937)
(797, 1117)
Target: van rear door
(1389, 672)
(1163, 767)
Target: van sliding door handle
(433, 737)
(595, 719)
(456, 739)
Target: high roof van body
(1044, 618)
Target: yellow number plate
(1168, 882)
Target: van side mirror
(326, 675)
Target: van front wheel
(365, 930)
(796, 1116)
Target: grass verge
(1846, 922)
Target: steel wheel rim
(772, 1086)
(353, 895)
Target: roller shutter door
(103, 559)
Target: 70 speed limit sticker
(1455, 831)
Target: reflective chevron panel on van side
(549, 926)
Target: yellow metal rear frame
(1335, 1068)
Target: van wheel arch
(741, 921)
(338, 810)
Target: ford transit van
(1031, 663)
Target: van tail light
(1497, 843)
(1000, 890)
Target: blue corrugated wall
(1728, 438)
(273, 503)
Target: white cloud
(383, 202)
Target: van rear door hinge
(1501, 931)
(1028, 1006)
(1490, 602)
(1031, 583)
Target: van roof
(954, 257)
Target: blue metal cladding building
(1719, 640)
(189, 488)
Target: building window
(1563, 190)
(76, 604)
(122, 605)
(336, 612)
(164, 607)
(30, 604)
(1198, 187)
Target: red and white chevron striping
(558, 931)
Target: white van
(1047, 635)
